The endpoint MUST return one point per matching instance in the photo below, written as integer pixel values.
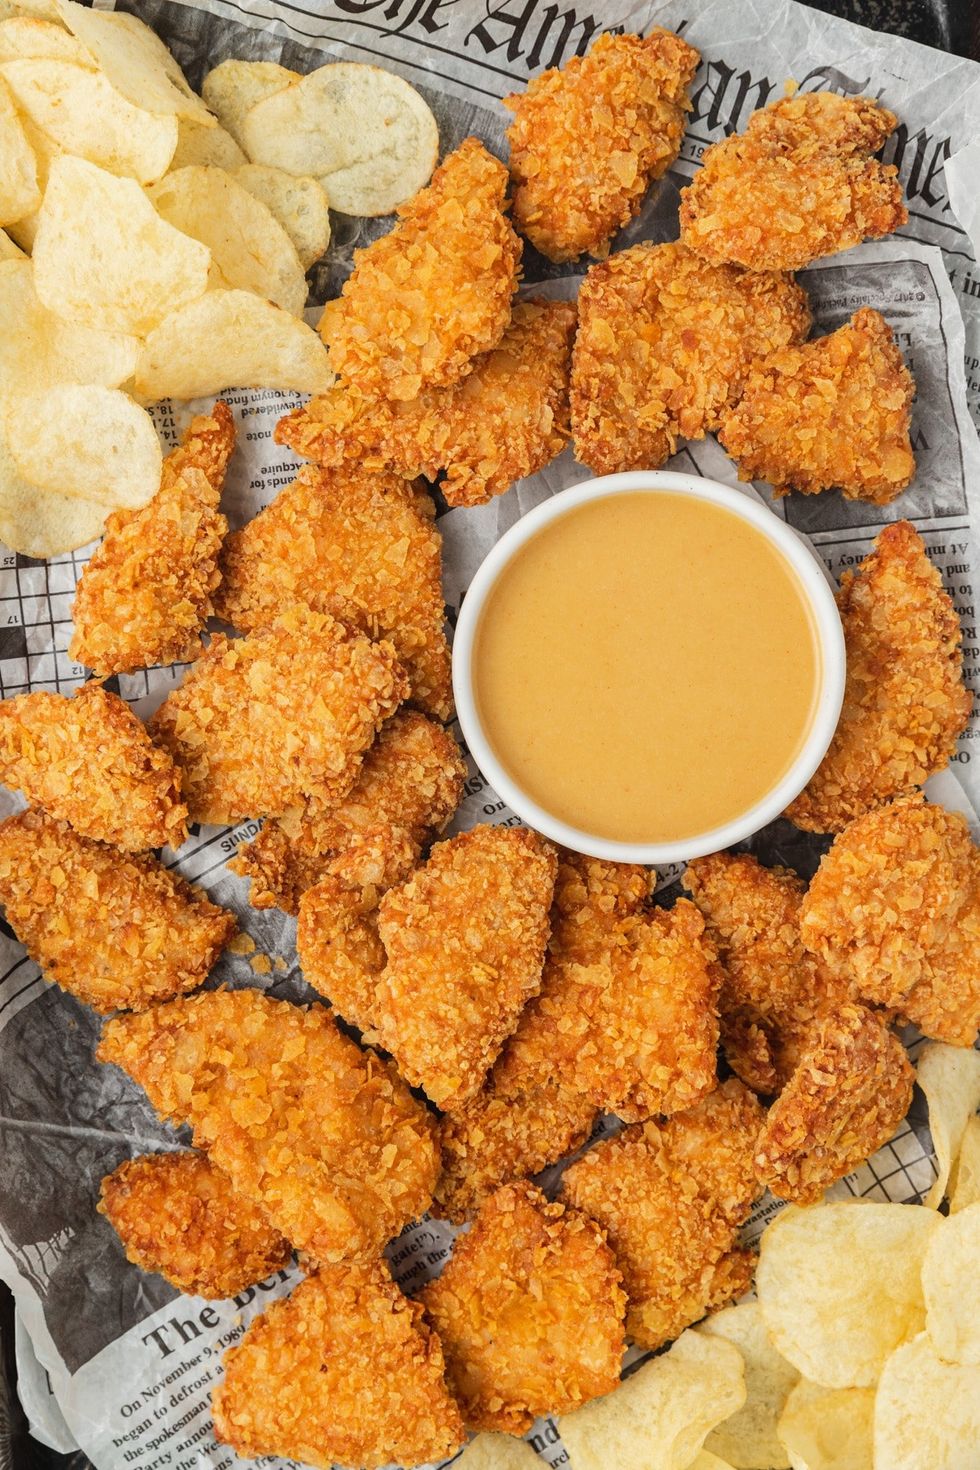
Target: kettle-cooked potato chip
(39, 348)
(748, 1439)
(8, 249)
(29, 36)
(20, 191)
(927, 1412)
(40, 523)
(211, 147)
(828, 1428)
(134, 60)
(951, 1283)
(299, 204)
(85, 441)
(498, 1452)
(235, 86)
(707, 1461)
(964, 1186)
(950, 1078)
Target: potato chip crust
(589, 138)
(530, 1312)
(345, 1370)
(340, 949)
(179, 1216)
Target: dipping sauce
(646, 668)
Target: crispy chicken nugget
(850, 1091)
(145, 596)
(506, 419)
(905, 702)
(588, 139)
(672, 1196)
(833, 412)
(425, 299)
(800, 183)
(118, 930)
(894, 909)
(86, 759)
(663, 347)
(263, 722)
(530, 1312)
(358, 545)
(179, 1216)
(322, 1135)
(344, 1371)
(340, 949)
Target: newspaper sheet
(116, 1360)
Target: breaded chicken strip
(344, 1371)
(465, 939)
(87, 760)
(905, 702)
(850, 1091)
(894, 909)
(773, 990)
(663, 347)
(588, 139)
(340, 949)
(506, 419)
(263, 722)
(145, 596)
(179, 1216)
(323, 1136)
(800, 183)
(672, 1196)
(360, 546)
(529, 1310)
(832, 413)
(118, 930)
(425, 299)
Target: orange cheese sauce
(646, 667)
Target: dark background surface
(951, 25)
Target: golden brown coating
(465, 939)
(145, 596)
(344, 1371)
(360, 546)
(831, 413)
(905, 702)
(672, 1196)
(530, 1312)
(177, 1215)
(663, 347)
(261, 723)
(425, 299)
(895, 910)
(322, 1135)
(118, 930)
(506, 419)
(87, 760)
(339, 947)
(800, 183)
(850, 1091)
(588, 139)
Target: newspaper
(116, 1360)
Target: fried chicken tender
(323, 1136)
(905, 702)
(425, 299)
(663, 347)
(118, 930)
(465, 939)
(530, 1312)
(834, 412)
(672, 1196)
(850, 1091)
(340, 949)
(895, 910)
(145, 596)
(799, 184)
(589, 138)
(506, 419)
(344, 1371)
(179, 1216)
(263, 722)
(773, 990)
(360, 546)
(86, 759)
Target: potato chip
(28, 36)
(39, 9)
(210, 147)
(134, 60)
(964, 1185)
(951, 1283)
(20, 192)
(299, 204)
(39, 523)
(230, 339)
(250, 250)
(498, 1452)
(39, 349)
(8, 250)
(104, 256)
(707, 1461)
(927, 1412)
(950, 1078)
(236, 86)
(658, 1417)
(89, 442)
(839, 1285)
(749, 1439)
(828, 1428)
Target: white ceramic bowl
(816, 588)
